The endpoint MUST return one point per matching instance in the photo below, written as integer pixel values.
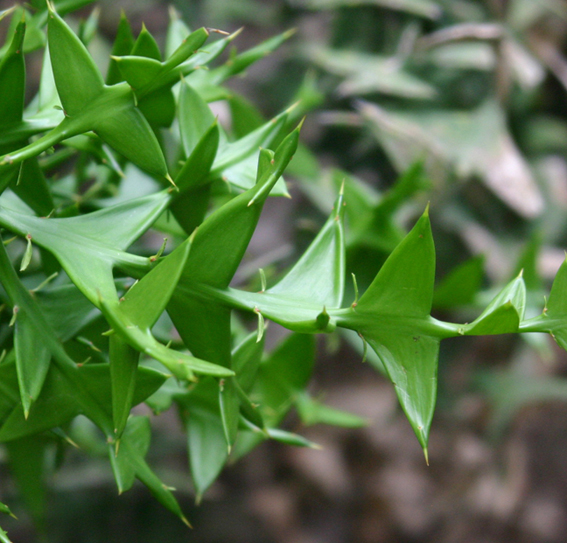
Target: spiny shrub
(93, 325)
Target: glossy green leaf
(504, 313)
(393, 317)
(12, 83)
(152, 79)
(229, 402)
(32, 360)
(112, 114)
(127, 131)
(22, 299)
(49, 104)
(143, 304)
(188, 47)
(240, 62)
(196, 169)
(141, 307)
(318, 276)
(404, 285)
(553, 320)
(77, 78)
(195, 118)
(557, 303)
(190, 207)
(130, 459)
(123, 43)
(246, 359)
(181, 364)
(206, 440)
(62, 399)
(215, 255)
(249, 410)
(411, 360)
(34, 38)
(281, 379)
(136, 436)
(300, 309)
(146, 45)
(217, 250)
(243, 174)
(123, 371)
(177, 30)
(164, 397)
(103, 233)
(144, 70)
(138, 70)
(109, 111)
(232, 153)
(204, 326)
(13, 79)
(145, 301)
(8, 385)
(158, 107)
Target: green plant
(230, 395)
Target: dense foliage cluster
(94, 324)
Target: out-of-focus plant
(474, 91)
(94, 325)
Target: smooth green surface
(84, 329)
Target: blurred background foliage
(459, 103)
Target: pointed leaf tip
(293, 106)
(289, 33)
(426, 454)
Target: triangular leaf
(504, 313)
(13, 79)
(404, 285)
(77, 78)
(32, 360)
(393, 317)
(145, 301)
(319, 274)
(123, 371)
(205, 435)
(130, 459)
